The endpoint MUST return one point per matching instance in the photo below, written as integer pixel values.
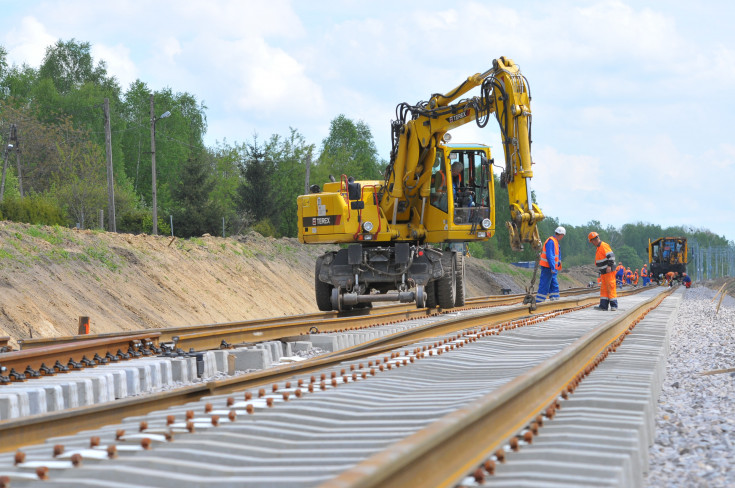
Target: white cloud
(118, 62)
(27, 41)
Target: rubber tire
(431, 295)
(322, 290)
(446, 285)
(459, 297)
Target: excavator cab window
(470, 178)
(466, 186)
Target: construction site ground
(50, 276)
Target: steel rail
(16, 433)
(442, 454)
(168, 333)
(215, 336)
(48, 355)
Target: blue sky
(633, 102)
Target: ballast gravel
(695, 421)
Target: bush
(140, 221)
(33, 209)
(266, 228)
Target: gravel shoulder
(695, 421)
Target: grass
(40, 232)
(104, 256)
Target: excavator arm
(419, 128)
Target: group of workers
(610, 276)
(624, 276)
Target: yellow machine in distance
(667, 254)
(403, 233)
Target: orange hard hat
(592, 235)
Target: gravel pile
(695, 424)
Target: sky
(633, 101)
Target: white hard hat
(560, 230)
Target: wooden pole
(110, 176)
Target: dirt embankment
(50, 276)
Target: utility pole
(6, 153)
(153, 163)
(16, 146)
(110, 176)
(308, 170)
(153, 169)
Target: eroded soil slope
(50, 276)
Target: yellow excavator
(404, 237)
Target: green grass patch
(41, 232)
(104, 256)
(58, 255)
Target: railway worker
(619, 274)
(628, 276)
(686, 280)
(635, 278)
(605, 262)
(670, 277)
(550, 263)
(644, 275)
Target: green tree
(195, 212)
(628, 256)
(70, 65)
(256, 190)
(81, 185)
(349, 150)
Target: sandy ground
(50, 276)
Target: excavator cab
(461, 194)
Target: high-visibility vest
(644, 272)
(543, 260)
(604, 256)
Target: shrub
(33, 209)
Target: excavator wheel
(431, 294)
(323, 290)
(459, 293)
(446, 285)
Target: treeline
(52, 131)
(52, 136)
(629, 243)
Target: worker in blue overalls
(550, 263)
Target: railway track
(44, 356)
(363, 365)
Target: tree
(195, 212)
(255, 190)
(70, 65)
(349, 149)
(81, 185)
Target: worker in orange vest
(628, 276)
(550, 263)
(644, 275)
(670, 277)
(619, 275)
(605, 262)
